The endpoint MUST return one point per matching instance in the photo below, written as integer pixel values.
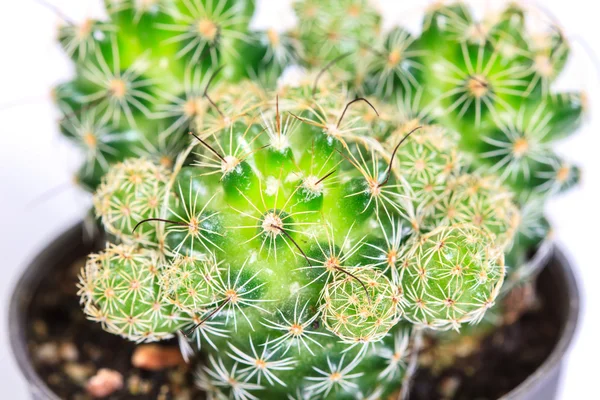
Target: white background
(34, 161)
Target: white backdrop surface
(34, 161)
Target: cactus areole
(298, 205)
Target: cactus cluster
(489, 79)
(294, 225)
(298, 205)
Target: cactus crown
(309, 224)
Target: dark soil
(506, 357)
(67, 349)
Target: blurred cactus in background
(141, 75)
(301, 206)
(490, 80)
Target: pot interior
(556, 284)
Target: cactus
(141, 75)
(292, 226)
(312, 224)
(132, 191)
(490, 80)
(119, 289)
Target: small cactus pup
(142, 72)
(490, 79)
(299, 246)
(447, 275)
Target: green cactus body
(302, 234)
(450, 276)
(482, 202)
(490, 80)
(132, 191)
(290, 226)
(141, 75)
(120, 289)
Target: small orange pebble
(154, 357)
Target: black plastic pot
(557, 278)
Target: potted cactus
(330, 212)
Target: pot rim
(16, 321)
(31, 278)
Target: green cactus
(292, 225)
(450, 276)
(316, 219)
(141, 75)
(131, 191)
(490, 80)
(120, 289)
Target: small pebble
(78, 373)
(133, 384)
(68, 351)
(183, 395)
(164, 392)
(40, 329)
(177, 376)
(449, 386)
(466, 346)
(104, 383)
(137, 385)
(155, 358)
(47, 353)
